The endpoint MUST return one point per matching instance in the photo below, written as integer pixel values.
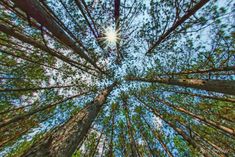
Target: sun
(111, 35)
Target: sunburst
(111, 36)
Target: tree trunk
(34, 9)
(205, 96)
(180, 21)
(202, 119)
(177, 129)
(200, 71)
(158, 138)
(26, 58)
(64, 141)
(93, 152)
(10, 31)
(221, 86)
(110, 151)
(146, 140)
(34, 111)
(134, 149)
(35, 88)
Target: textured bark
(64, 141)
(220, 86)
(201, 71)
(34, 9)
(180, 21)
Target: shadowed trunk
(64, 141)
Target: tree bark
(220, 86)
(200, 71)
(34, 9)
(64, 141)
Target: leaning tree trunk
(221, 86)
(176, 129)
(64, 141)
(34, 9)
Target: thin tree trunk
(202, 119)
(205, 96)
(145, 138)
(35, 88)
(26, 58)
(180, 21)
(64, 141)
(117, 27)
(39, 109)
(93, 22)
(221, 86)
(23, 38)
(194, 133)
(84, 15)
(158, 138)
(134, 148)
(177, 130)
(97, 144)
(110, 152)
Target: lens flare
(111, 36)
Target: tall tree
(64, 141)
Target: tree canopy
(117, 78)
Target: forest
(117, 78)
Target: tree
(117, 78)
